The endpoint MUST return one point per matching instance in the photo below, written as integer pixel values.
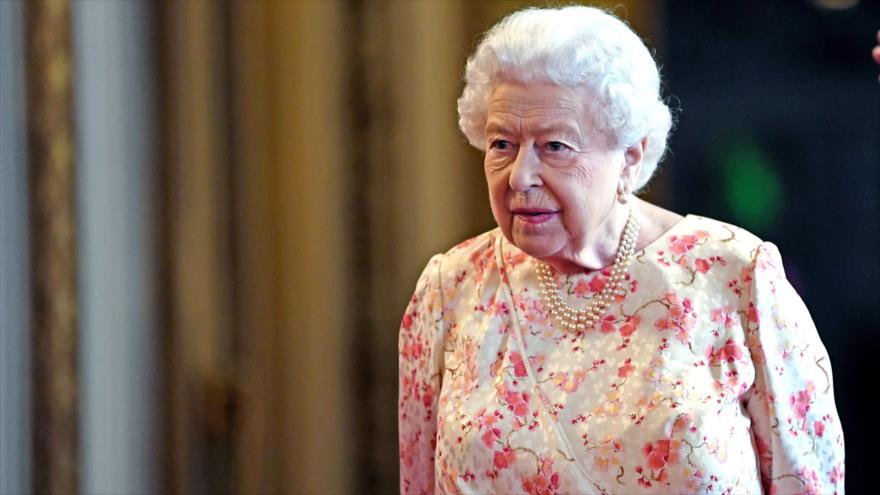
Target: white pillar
(116, 160)
(15, 371)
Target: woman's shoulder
(663, 229)
(470, 256)
(727, 238)
(668, 232)
(468, 251)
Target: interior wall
(260, 465)
(423, 187)
(115, 153)
(310, 131)
(294, 245)
(257, 246)
(15, 355)
(52, 236)
(199, 341)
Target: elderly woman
(594, 342)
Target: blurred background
(214, 213)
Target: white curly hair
(581, 48)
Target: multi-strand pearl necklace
(572, 319)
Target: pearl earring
(622, 196)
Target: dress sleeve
(420, 349)
(795, 425)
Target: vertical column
(259, 463)
(200, 346)
(15, 356)
(53, 247)
(311, 134)
(424, 184)
(115, 153)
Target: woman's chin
(536, 245)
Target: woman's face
(552, 177)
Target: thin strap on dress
(507, 293)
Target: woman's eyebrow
(565, 129)
(495, 126)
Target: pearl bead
(586, 318)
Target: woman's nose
(525, 171)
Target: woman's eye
(501, 144)
(555, 146)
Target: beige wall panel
(201, 312)
(202, 286)
(310, 134)
(425, 184)
(428, 151)
(430, 179)
(640, 14)
(259, 465)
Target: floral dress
(706, 376)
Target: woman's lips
(534, 216)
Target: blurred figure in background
(876, 51)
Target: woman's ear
(632, 163)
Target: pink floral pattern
(707, 376)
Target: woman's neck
(597, 251)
